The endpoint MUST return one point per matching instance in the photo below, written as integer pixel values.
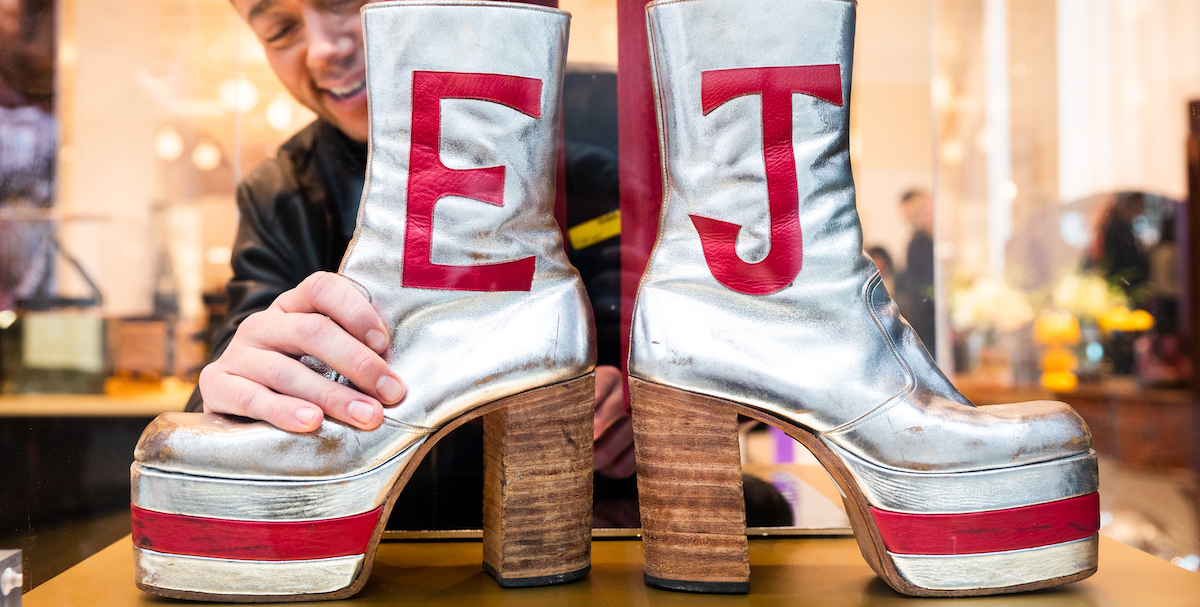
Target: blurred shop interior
(1023, 168)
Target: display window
(1017, 174)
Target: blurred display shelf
(1133, 425)
(811, 571)
(171, 397)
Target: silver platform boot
(758, 300)
(457, 246)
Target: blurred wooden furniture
(98, 405)
(1142, 427)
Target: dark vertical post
(641, 176)
(1191, 279)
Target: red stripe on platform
(253, 540)
(992, 531)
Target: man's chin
(357, 132)
(356, 128)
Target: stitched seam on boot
(406, 427)
(910, 382)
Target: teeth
(345, 91)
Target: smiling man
(297, 216)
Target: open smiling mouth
(346, 92)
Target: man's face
(919, 212)
(316, 49)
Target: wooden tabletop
(147, 404)
(792, 572)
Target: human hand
(613, 428)
(259, 374)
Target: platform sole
(287, 543)
(689, 483)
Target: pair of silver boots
(457, 245)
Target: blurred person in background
(1116, 250)
(914, 288)
(27, 143)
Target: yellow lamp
(1059, 381)
(1051, 328)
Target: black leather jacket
(297, 214)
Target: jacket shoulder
(286, 173)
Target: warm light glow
(7, 318)
(952, 151)
(1120, 318)
(168, 143)
(279, 113)
(1054, 328)
(983, 141)
(206, 155)
(1009, 189)
(68, 55)
(237, 93)
(218, 255)
(943, 91)
(1059, 381)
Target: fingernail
(308, 416)
(362, 412)
(389, 388)
(376, 340)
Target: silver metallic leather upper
(456, 350)
(829, 351)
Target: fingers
(339, 299)
(297, 334)
(327, 317)
(228, 393)
(613, 431)
(614, 453)
(610, 399)
(238, 385)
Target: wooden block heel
(689, 491)
(537, 486)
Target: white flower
(990, 304)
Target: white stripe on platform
(997, 569)
(221, 576)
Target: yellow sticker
(595, 230)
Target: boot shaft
(464, 126)
(456, 240)
(754, 108)
(759, 263)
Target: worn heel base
(537, 501)
(689, 491)
(544, 580)
(705, 587)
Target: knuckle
(245, 398)
(313, 327)
(363, 365)
(330, 397)
(252, 323)
(276, 373)
(317, 284)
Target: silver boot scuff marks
(758, 300)
(457, 245)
